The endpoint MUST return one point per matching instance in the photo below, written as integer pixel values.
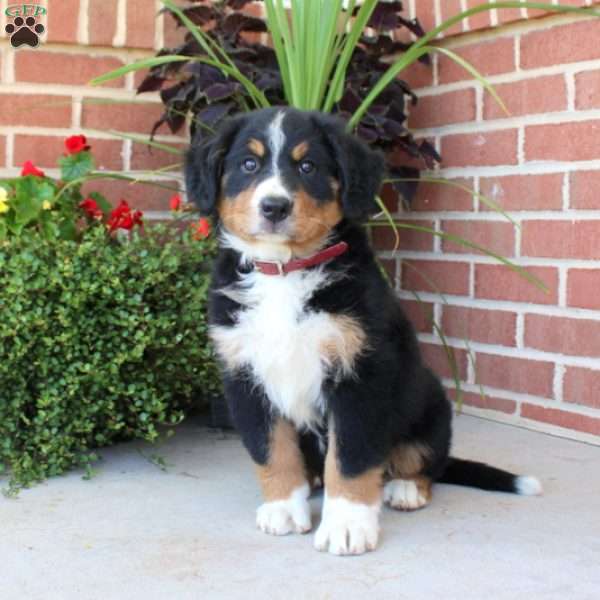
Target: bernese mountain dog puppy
(321, 369)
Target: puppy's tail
(485, 477)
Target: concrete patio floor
(136, 532)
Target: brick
(451, 8)
(498, 282)
(385, 239)
(563, 141)
(148, 158)
(444, 196)
(141, 23)
(508, 15)
(2, 150)
(587, 90)
(35, 110)
(63, 19)
(389, 266)
(426, 14)
(583, 288)
(515, 374)
(488, 402)
(584, 190)
(561, 418)
(480, 325)
(102, 20)
(561, 239)
(523, 192)
(480, 20)
(140, 196)
(67, 69)
(489, 58)
(417, 75)
(528, 97)
(497, 237)
(578, 41)
(578, 337)
(173, 35)
(420, 314)
(436, 276)
(582, 386)
(443, 109)
(480, 149)
(45, 151)
(137, 117)
(436, 359)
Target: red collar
(278, 268)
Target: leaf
(407, 188)
(151, 83)
(104, 205)
(75, 166)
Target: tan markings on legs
(362, 489)
(300, 151)
(285, 470)
(408, 494)
(407, 460)
(424, 487)
(342, 348)
(257, 147)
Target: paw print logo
(25, 32)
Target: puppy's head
(283, 176)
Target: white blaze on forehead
(276, 139)
(273, 186)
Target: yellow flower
(46, 205)
(3, 200)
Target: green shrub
(100, 341)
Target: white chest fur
(289, 349)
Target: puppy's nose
(275, 208)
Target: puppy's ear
(360, 169)
(204, 163)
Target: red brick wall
(44, 95)
(537, 355)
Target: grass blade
(416, 50)
(258, 96)
(487, 201)
(471, 245)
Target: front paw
(281, 517)
(347, 527)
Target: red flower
(175, 202)
(30, 169)
(122, 217)
(76, 143)
(201, 229)
(91, 208)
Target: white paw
(403, 494)
(286, 516)
(347, 527)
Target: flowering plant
(104, 341)
(54, 208)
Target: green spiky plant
(315, 42)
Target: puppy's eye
(307, 166)
(250, 165)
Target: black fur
(392, 397)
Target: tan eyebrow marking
(257, 147)
(300, 151)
